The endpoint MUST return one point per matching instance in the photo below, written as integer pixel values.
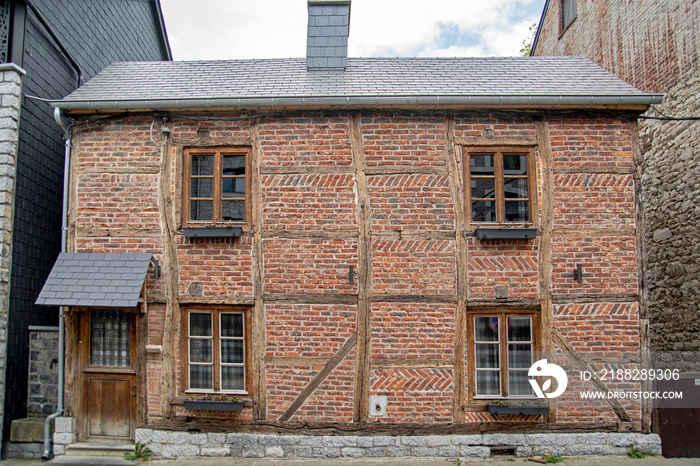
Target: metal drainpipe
(62, 313)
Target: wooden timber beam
(259, 320)
(364, 275)
(579, 361)
(455, 170)
(545, 252)
(171, 330)
(320, 377)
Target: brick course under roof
(95, 279)
(154, 85)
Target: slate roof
(95, 279)
(402, 81)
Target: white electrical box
(377, 405)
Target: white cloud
(220, 29)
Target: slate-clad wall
(309, 188)
(655, 46)
(96, 34)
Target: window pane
(234, 165)
(483, 211)
(231, 325)
(487, 356)
(201, 210)
(233, 187)
(486, 329)
(110, 339)
(519, 329)
(203, 165)
(201, 187)
(201, 377)
(481, 164)
(515, 188)
(232, 378)
(519, 356)
(517, 211)
(483, 188)
(518, 383)
(233, 210)
(515, 164)
(488, 383)
(200, 324)
(201, 350)
(232, 351)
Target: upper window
(217, 350)
(502, 345)
(568, 12)
(500, 184)
(217, 186)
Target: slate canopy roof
(366, 82)
(95, 279)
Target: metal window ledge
(212, 232)
(505, 233)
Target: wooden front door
(109, 377)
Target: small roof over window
(95, 280)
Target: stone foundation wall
(176, 444)
(172, 444)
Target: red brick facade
(310, 246)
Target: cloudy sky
(229, 29)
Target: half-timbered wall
(358, 264)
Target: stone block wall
(42, 399)
(10, 101)
(653, 45)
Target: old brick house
(653, 45)
(357, 248)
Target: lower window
(217, 349)
(500, 353)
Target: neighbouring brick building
(653, 45)
(359, 249)
(47, 49)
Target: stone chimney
(327, 39)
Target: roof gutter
(356, 102)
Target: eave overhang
(422, 102)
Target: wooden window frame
(216, 311)
(503, 350)
(564, 25)
(498, 152)
(218, 153)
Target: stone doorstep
(27, 430)
(98, 450)
(90, 461)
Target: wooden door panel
(108, 412)
(110, 405)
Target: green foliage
(553, 459)
(634, 452)
(527, 42)
(141, 452)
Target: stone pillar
(10, 102)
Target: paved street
(606, 460)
